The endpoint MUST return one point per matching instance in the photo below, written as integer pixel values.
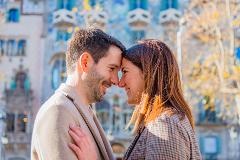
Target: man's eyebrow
(114, 65)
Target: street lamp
(179, 45)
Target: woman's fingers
(78, 140)
(84, 146)
(76, 150)
(81, 134)
(77, 130)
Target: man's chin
(100, 98)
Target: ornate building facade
(33, 41)
(21, 54)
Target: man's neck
(74, 82)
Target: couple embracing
(66, 127)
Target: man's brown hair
(91, 40)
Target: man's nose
(115, 80)
(121, 83)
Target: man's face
(103, 74)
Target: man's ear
(84, 62)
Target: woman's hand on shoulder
(83, 146)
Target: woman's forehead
(124, 62)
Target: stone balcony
(64, 18)
(138, 19)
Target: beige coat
(50, 134)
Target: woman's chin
(132, 102)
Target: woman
(162, 119)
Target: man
(93, 59)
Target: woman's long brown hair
(162, 88)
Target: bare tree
(208, 42)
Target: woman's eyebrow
(123, 68)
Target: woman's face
(132, 81)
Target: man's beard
(93, 81)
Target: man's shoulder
(58, 100)
(56, 105)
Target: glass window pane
(2, 45)
(13, 15)
(21, 48)
(60, 4)
(10, 122)
(22, 122)
(132, 4)
(58, 73)
(11, 46)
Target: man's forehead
(115, 65)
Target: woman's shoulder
(170, 123)
(171, 117)
(171, 134)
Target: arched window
(92, 3)
(65, 4)
(166, 4)
(20, 80)
(238, 53)
(13, 15)
(11, 48)
(70, 4)
(22, 122)
(207, 111)
(2, 47)
(21, 48)
(63, 36)
(58, 73)
(133, 4)
(10, 122)
(143, 4)
(60, 4)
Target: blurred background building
(204, 36)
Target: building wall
(28, 27)
(43, 49)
